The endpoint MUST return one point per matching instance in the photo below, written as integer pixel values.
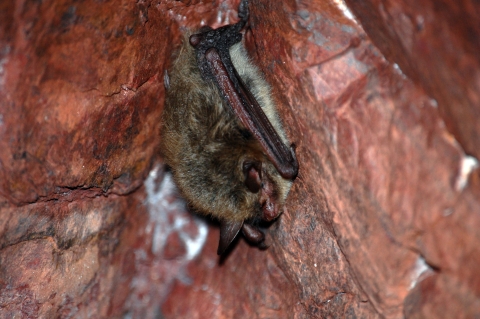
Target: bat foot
(254, 235)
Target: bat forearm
(251, 115)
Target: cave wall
(382, 221)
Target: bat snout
(269, 201)
(270, 211)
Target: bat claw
(293, 149)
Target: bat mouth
(257, 180)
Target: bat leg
(228, 231)
(254, 235)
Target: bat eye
(246, 134)
(253, 181)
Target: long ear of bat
(250, 113)
(228, 231)
(252, 172)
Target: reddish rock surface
(383, 220)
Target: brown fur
(205, 145)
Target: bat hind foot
(254, 236)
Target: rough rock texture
(436, 44)
(383, 220)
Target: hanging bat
(222, 136)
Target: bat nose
(270, 210)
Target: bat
(222, 136)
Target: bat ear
(228, 232)
(253, 177)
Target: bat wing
(251, 115)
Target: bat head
(269, 190)
(272, 189)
